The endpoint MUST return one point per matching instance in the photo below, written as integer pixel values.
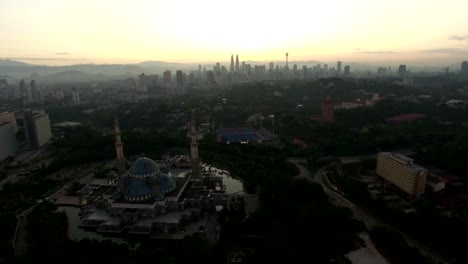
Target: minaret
(231, 69)
(119, 147)
(194, 149)
(237, 63)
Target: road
(367, 218)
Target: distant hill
(13, 63)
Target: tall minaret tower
(119, 146)
(194, 149)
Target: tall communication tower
(287, 55)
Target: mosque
(163, 199)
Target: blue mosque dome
(144, 167)
(145, 182)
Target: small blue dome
(144, 167)
(139, 188)
(166, 183)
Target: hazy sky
(106, 31)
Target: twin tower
(236, 69)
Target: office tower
(304, 72)
(37, 126)
(346, 70)
(9, 117)
(338, 68)
(35, 76)
(58, 92)
(327, 110)
(8, 144)
(210, 77)
(402, 172)
(464, 68)
(3, 89)
(36, 94)
(25, 91)
(179, 80)
(142, 84)
(167, 77)
(231, 69)
(402, 70)
(237, 63)
(75, 94)
(325, 68)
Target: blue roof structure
(243, 134)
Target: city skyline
(52, 32)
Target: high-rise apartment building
(180, 81)
(75, 94)
(37, 126)
(402, 172)
(9, 117)
(8, 144)
(402, 70)
(338, 68)
(346, 70)
(167, 78)
(464, 68)
(327, 110)
(36, 94)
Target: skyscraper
(8, 144)
(25, 91)
(142, 85)
(167, 77)
(9, 117)
(237, 63)
(179, 81)
(37, 126)
(231, 69)
(75, 94)
(464, 68)
(327, 110)
(402, 70)
(338, 68)
(36, 94)
(346, 70)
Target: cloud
(359, 50)
(446, 51)
(459, 37)
(62, 53)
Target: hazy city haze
(55, 32)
